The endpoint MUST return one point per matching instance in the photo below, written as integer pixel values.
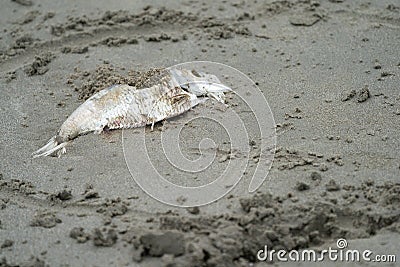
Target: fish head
(199, 83)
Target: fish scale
(143, 111)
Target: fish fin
(61, 151)
(52, 146)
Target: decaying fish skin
(123, 106)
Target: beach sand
(329, 71)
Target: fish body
(124, 106)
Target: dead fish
(124, 106)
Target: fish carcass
(124, 106)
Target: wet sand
(328, 69)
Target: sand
(328, 69)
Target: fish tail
(51, 147)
